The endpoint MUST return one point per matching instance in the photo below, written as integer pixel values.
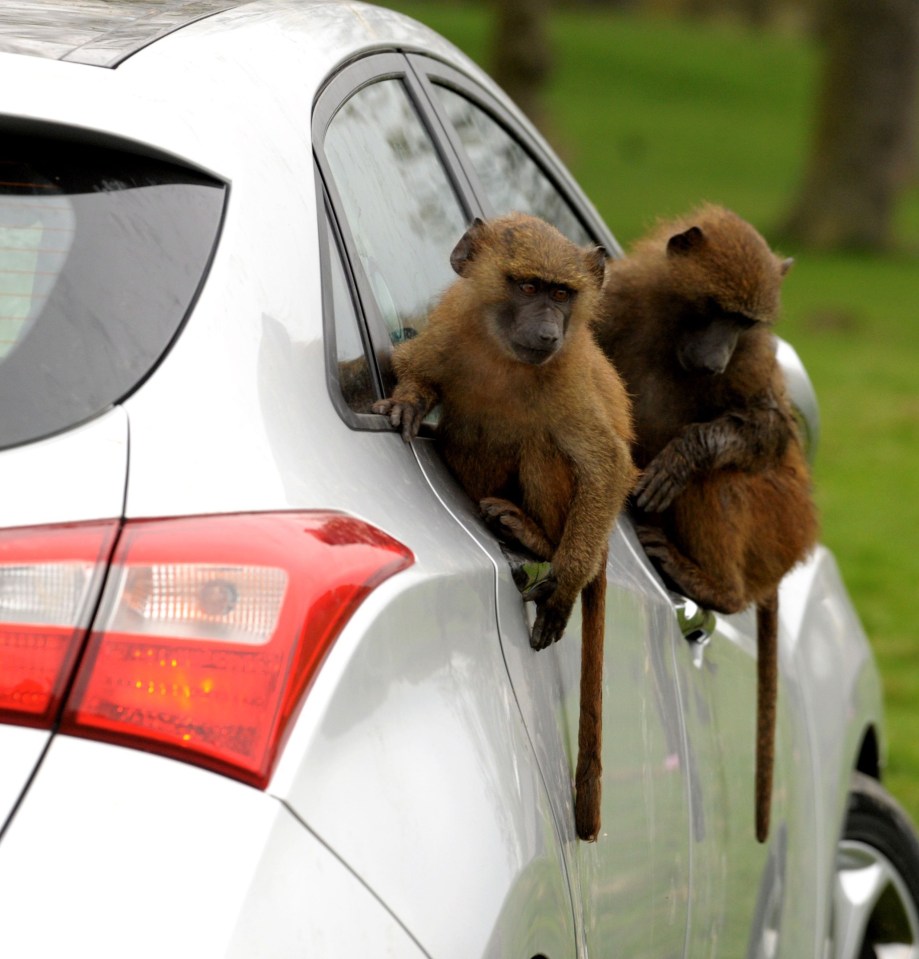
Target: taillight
(211, 628)
(50, 578)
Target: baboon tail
(767, 691)
(587, 780)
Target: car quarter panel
(411, 760)
(150, 863)
(632, 886)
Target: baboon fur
(724, 504)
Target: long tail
(587, 780)
(767, 691)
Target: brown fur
(724, 505)
(543, 448)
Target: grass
(653, 115)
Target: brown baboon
(535, 424)
(723, 505)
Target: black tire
(876, 883)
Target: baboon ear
(682, 243)
(465, 251)
(786, 265)
(596, 263)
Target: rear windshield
(101, 255)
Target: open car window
(398, 201)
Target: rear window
(101, 255)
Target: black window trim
(331, 245)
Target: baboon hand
(403, 414)
(551, 619)
(654, 540)
(659, 485)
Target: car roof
(201, 81)
(96, 32)
(107, 32)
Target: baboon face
(727, 281)
(709, 337)
(530, 283)
(533, 320)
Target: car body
(251, 202)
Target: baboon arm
(409, 404)
(419, 365)
(752, 438)
(602, 483)
(723, 594)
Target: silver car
(266, 688)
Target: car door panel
(632, 884)
(631, 887)
(748, 899)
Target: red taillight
(211, 628)
(50, 578)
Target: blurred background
(801, 115)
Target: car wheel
(876, 886)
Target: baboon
(723, 505)
(535, 424)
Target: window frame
(431, 73)
(418, 73)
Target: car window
(101, 255)
(510, 176)
(398, 201)
(352, 369)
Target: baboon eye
(527, 287)
(560, 294)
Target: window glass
(403, 212)
(101, 254)
(354, 375)
(511, 178)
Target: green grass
(655, 115)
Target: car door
(741, 897)
(630, 882)
(631, 888)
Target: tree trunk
(861, 153)
(521, 55)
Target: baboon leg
(723, 595)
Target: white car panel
(75, 476)
(154, 864)
(646, 785)
(21, 749)
(457, 835)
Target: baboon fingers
(549, 626)
(411, 423)
(656, 489)
(404, 416)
